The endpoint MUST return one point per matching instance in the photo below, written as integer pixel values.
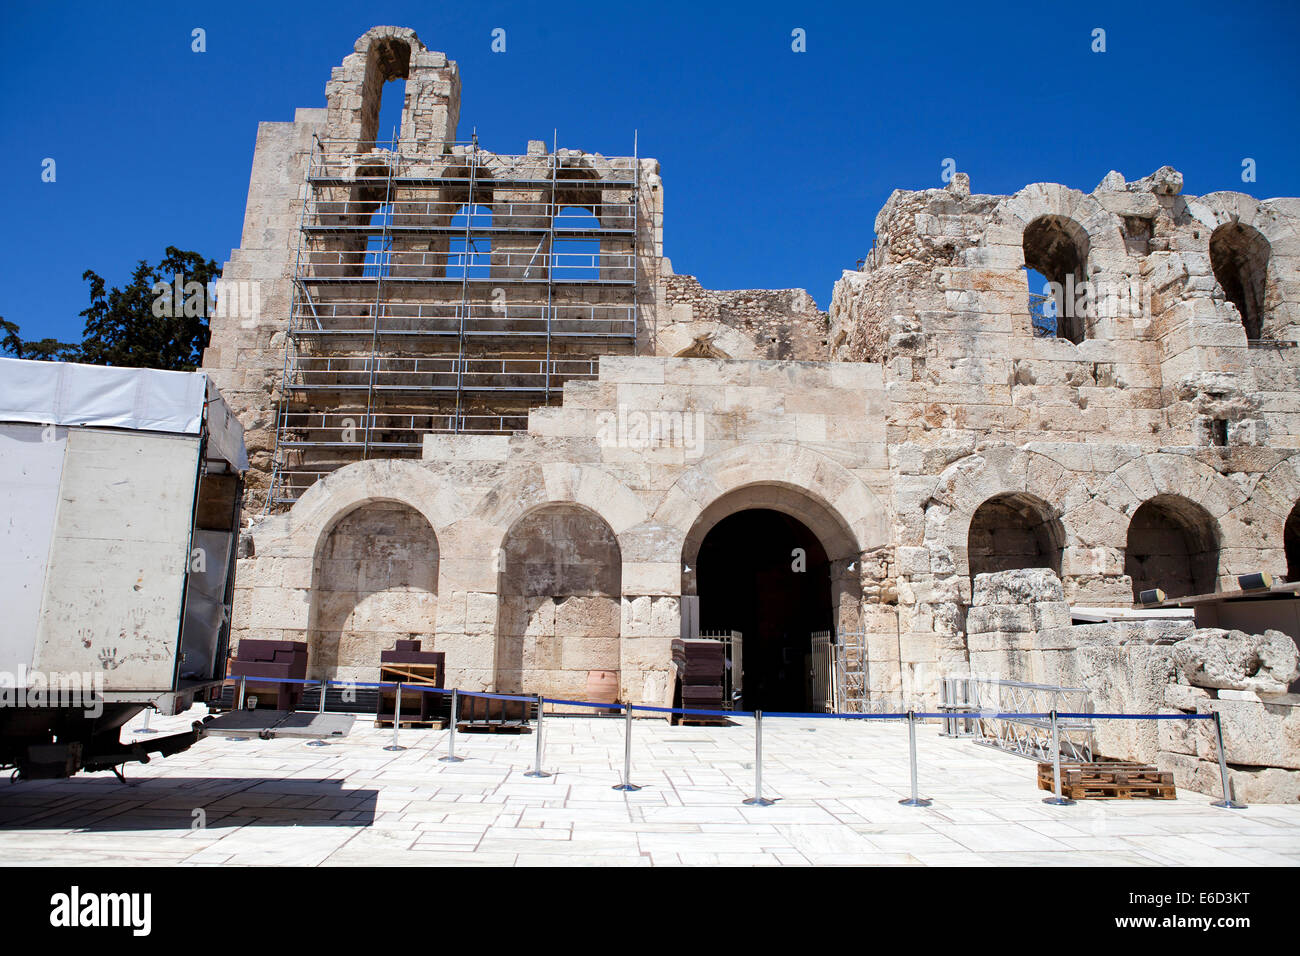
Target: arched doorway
(776, 566)
(559, 602)
(763, 573)
(375, 582)
(1173, 545)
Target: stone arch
(374, 582)
(388, 60)
(559, 593)
(1270, 518)
(1012, 531)
(1056, 248)
(1239, 257)
(299, 531)
(560, 483)
(1038, 200)
(1093, 230)
(1247, 218)
(1173, 544)
(838, 506)
(1001, 473)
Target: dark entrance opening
(763, 573)
(1172, 545)
(1291, 541)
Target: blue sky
(775, 163)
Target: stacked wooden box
(702, 667)
(406, 664)
(271, 659)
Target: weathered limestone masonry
(740, 324)
(1019, 629)
(972, 465)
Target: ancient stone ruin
(483, 411)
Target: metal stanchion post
(757, 800)
(451, 738)
(243, 687)
(914, 800)
(627, 783)
(146, 729)
(320, 709)
(397, 720)
(1056, 799)
(537, 770)
(1227, 802)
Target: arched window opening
(376, 262)
(1239, 257)
(470, 248)
(576, 247)
(1173, 546)
(1056, 256)
(388, 62)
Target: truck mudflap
(47, 761)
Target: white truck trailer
(120, 492)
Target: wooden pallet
(436, 723)
(492, 726)
(1109, 780)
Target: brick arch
(838, 507)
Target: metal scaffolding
(448, 293)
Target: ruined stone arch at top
(1266, 244)
(1094, 231)
(432, 105)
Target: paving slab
(836, 787)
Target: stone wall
(1019, 629)
(738, 323)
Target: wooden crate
(1109, 780)
(417, 705)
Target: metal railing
(973, 701)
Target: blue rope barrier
(1141, 716)
(836, 716)
(687, 712)
(480, 693)
(581, 703)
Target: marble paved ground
(837, 783)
